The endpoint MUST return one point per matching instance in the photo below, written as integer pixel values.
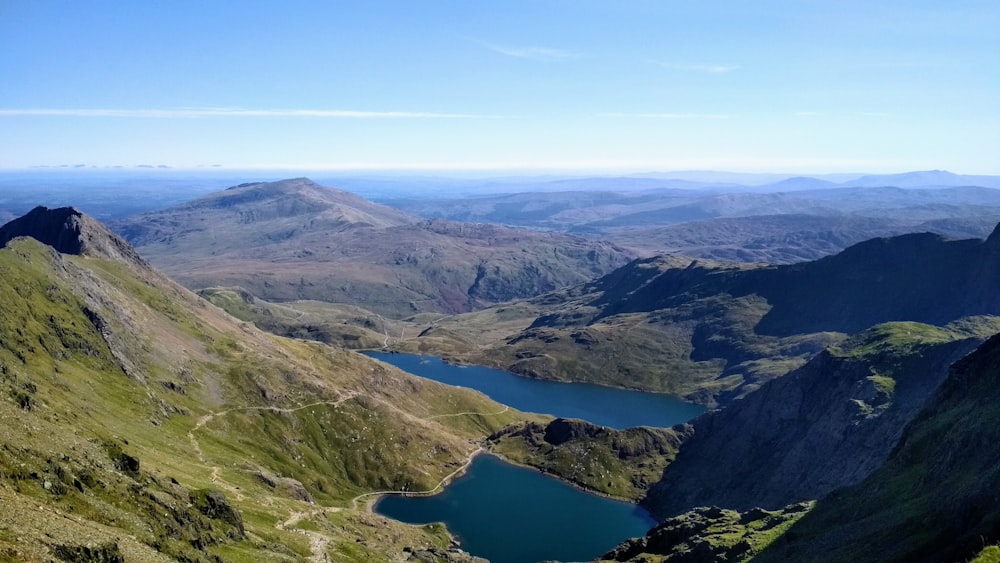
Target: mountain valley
(851, 392)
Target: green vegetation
(137, 421)
(989, 554)
(711, 534)
(617, 463)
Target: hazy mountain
(141, 423)
(781, 222)
(924, 179)
(786, 239)
(296, 240)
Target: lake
(605, 406)
(507, 513)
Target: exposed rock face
(621, 463)
(69, 231)
(710, 534)
(936, 497)
(213, 504)
(826, 425)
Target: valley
(824, 332)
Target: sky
(803, 86)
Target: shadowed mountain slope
(141, 423)
(934, 499)
(713, 332)
(826, 425)
(70, 232)
(296, 240)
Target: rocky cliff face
(936, 497)
(826, 425)
(69, 231)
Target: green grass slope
(138, 421)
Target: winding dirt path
(447, 478)
(318, 542)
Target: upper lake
(510, 514)
(605, 406)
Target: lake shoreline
(462, 363)
(497, 479)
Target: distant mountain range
(782, 222)
(297, 240)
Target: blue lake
(605, 406)
(510, 514)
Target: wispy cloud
(703, 68)
(533, 53)
(234, 112)
(667, 115)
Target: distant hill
(297, 240)
(792, 220)
(142, 424)
(713, 332)
(924, 179)
(786, 239)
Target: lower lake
(604, 406)
(509, 514)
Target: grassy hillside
(140, 421)
(713, 332)
(618, 463)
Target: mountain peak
(70, 231)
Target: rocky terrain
(934, 499)
(296, 240)
(713, 332)
(141, 423)
(826, 425)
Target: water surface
(509, 514)
(605, 406)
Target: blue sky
(621, 85)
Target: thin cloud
(533, 53)
(668, 115)
(703, 68)
(234, 112)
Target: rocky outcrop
(214, 505)
(710, 534)
(69, 231)
(826, 425)
(620, 463)
(935, 498)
